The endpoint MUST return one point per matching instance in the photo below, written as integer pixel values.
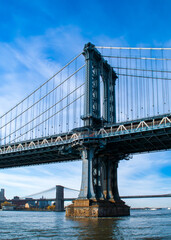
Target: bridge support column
(87, 191)
(59, 207)
(106, 179)
(114, 181)
(99, 195)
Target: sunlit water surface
(142, 224)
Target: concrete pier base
(97, 208)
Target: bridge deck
(146, 135)
(71, 199)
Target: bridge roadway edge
(131, 141)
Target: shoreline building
(2, 195)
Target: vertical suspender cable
(82, 105)
(47, 106)
(46, 112)
(43, 116)
(5, 129)
(151, 56)
(109, 82)
(136, 88)
(120, 87)
(16, 124)
(165, 84)
(147, 90)
(27, 117)
(157, 87)
(145, 93)
(168, 86)
(127, 99)
(40, 110)
(21, 122)
(163, 92)
(49, 113)
(131, 86)
(53, 109)
(33, 116)
(37, 112)
(61, 103)
(56, 115)
(118, 81)
(75, 96)
(141, 86)
(124, 95)
(67, 115)
(10, 126)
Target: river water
(141, 224)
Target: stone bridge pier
(99, 196)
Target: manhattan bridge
(105, 105)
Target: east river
(142, 224)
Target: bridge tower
(99, 196)
(59, 207)
(100, 89)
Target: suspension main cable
(72, 189)
(140, 76)
(142, 58)
(139, 69)
(48, 190)
(133, 48)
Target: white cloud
(27, 63)
(142, 176)
(39, 178)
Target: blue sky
(38, 37)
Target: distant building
(31, 203)
(43, 203)
(8, 208)
(19, 203)
(2, 195)
(16, 198)
(27, 205)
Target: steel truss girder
(144, 136)
(39, 156)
